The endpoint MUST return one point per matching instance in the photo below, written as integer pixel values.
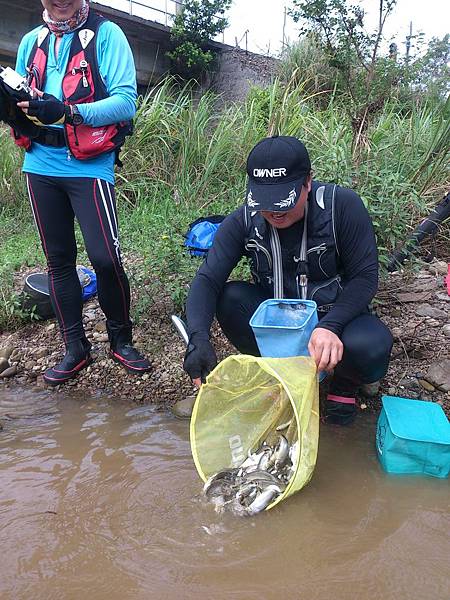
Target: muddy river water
(99, 500)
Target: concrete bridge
(146, 24)
(148, 38)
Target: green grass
(187, 160)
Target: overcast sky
(264, 20)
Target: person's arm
(223, 256)
(358, 257)
(117, 69)
(359, 262)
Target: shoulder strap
(37, 60)
(84, 40)
(302, 266)
(323, 195)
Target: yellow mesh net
(243, 402)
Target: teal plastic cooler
(413, 436)
(282, 328)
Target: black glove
(48, 111)
(13, 116)
(200, 358)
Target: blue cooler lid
(417, 420)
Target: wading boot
(122, 350)
(340, 408)
(77, 357)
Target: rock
(15, 354)
(397, 332)
(89, 316)
(100, 337)
(51, 327)
(29, 365)
(425, 285)
(433, 322)
(370, 390)
(446, 330)
(40, 383)
(9, 372)
(426, 385)
(4, 364)
(422, 274)
(100, 326)
(438, 267)
(425, 310)
(391, 391)
(443, 296)
(6, 352)
(413, 296)
(410, 384)
(183, 408)
(40, 352)
(439, 374)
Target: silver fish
(263, 500)
(284, 426)
(282, 452)
(263, 477)
(227, 476)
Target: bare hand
(197, 382)
(326, 349)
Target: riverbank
(415, 306)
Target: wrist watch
(74, 118)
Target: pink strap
(342, 399)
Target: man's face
(61, 10)
(282, 220)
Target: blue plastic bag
(200, 235)
(88, 281)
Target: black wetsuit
(367, 341)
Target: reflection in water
(101, 500)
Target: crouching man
(305, 239)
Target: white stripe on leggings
(108, 215)
(108, 187)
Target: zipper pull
(83, 67)
(68, 154)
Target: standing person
(83, 71)
(304, 239)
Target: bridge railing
(161, 11)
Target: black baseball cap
(277, 167)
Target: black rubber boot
(122, 350)
(340, 413)
(77, 357)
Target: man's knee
(367, 346)
(237, 298)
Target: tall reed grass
(187, 159)
(184, 149)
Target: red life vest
(82, 83)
